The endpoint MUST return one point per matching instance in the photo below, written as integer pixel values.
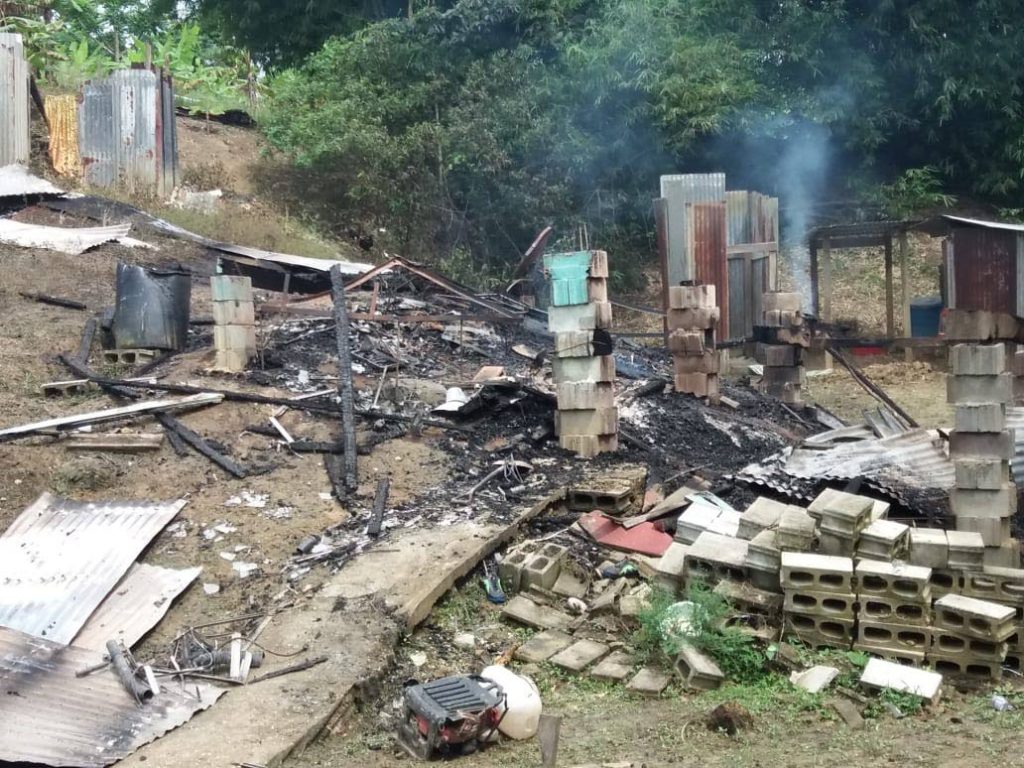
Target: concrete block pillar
(580, 317)
(783, 341)
(693, 317)
(984, 499)
(234, 322)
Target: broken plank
(113, 414)
(345, 389)
(199, 444)
(88, 334)
(380, 502)
(54, 301)
(128, 443)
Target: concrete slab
(543, 646)
(525, 611)
(567, 585)
(617, 666)
(649, 681)
(579, 655)
(879, 675)
(815, 679)
(849, 713)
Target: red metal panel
(985, 269)
(709, 255)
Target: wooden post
(890, 308)
(547, 734)
(908, 352)
(812, 247)
(826, 280)
(348, 417)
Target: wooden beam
(826, 280)
(815, 275)
(752, 248)
(112, 414)
(890, 301)
(117, 442)
(908, 352)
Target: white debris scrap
(72, 241)
(248, 499)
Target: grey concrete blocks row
(783, 375)
(586, 422)
(692, 318)
(531, 564)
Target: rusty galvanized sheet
(912, 468)
(16, 181)
(61, 558)
(739, 297)
(62, 118)
(678, 190)
(125, 138)
(984, 269)
(135, 605)
(51, 717)
(14, 103)
(708, 245)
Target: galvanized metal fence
(127, 133)
(725, 239)
(14, 101)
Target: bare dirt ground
(919, 388)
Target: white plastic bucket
(522, 702)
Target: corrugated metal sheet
(912, 468)
(707, 227)
(16, 181)
(62, 118)
(14, 104)
(135, 605)
(1000, 225)
(678, 190)
(70, 240)
(739, 299)
(60, 558)
(984, 268)
(51, 717)
(96, 134)
(125, 136)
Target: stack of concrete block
(884, 540)
(692, 322)
(894, 617)
(796, 531)
(580, 317)
(970, 636)
(981, 447)
(820, 604)
(929, 548)
(761, 515)
(531, 564)
(714, 557)
(1006, 587)
(234, 322)
(764, 561)
(1018, 376)
(842, 516)
(782, 339)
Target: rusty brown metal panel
(711, 267)
(52, 717)
(679, 190)
(985, 269)
(60, 558)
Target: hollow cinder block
(990, 474)
(977, 359)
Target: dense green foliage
(464, 126)
(71, 41)
(469, 127)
